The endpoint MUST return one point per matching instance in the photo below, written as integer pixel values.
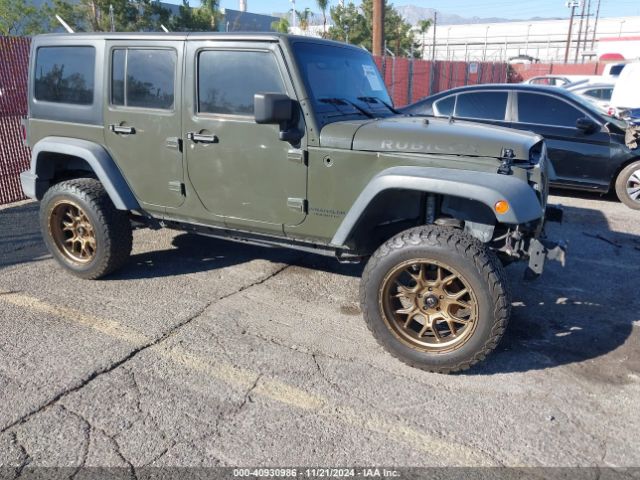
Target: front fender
(95, 155)
(487, 188)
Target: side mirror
(586, 125)
(278, 109)
(272, 108)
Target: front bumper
(541, 249)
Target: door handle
(122, 129)
(202, 138)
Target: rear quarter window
(65, 74)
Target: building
(545, 40)
(243, 21)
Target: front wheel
(628, 186)
(83, 230)
(435, 298)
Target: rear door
(580, 159)
(143, 119)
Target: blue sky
(466, 8)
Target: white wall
(544, 39)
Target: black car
(586, 146)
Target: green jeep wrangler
(289, 142)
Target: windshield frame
(355, 108)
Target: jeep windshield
(342, 82)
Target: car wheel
(83, 230)
(435, 298)
(628, 186)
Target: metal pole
(586, 28)
(573, 9)
(435, 23)
(486, 37)
(378, 27)
(526, 47)
(595, 26)
(580, 32)
(293, 13)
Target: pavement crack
(116, 448)
(25, 458)
(247, 395)
(86, 428)
(136, 388)
(258, 282)
(81, 383)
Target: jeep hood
(427, 135)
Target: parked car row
(587, 148)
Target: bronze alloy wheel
(72, 232)
(428, 305)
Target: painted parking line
(270, 388)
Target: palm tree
(281, 25)
(424, 25)
(303, 18)
(323, 5)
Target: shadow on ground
(570, 315)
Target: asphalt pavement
(203, 352)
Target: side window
(546, 110)
(445, 106)
(143, 78)
(65, 74)
(482, 105)
(227, 81)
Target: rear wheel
(628, 185)
(83, 230)
(435, 298)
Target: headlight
(537, 153)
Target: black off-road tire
(477, 264)
(111, 227)
(624, 178)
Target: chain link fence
(14, 156)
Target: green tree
(424, 26)
(323, 5)
(94, 15)
(304, 17)
(354, 25)
(281, 25)
(19, 18)
(349, 25)
(197, 19)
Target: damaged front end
(530, 243)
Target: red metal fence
(14, 156)
(526, 71)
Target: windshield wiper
(343, 101)
(376, 100)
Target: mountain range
(413, 14)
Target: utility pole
(586, 28)
(595, 26)
(579, 32)
(572, 4)
(378, 27)
(435, 24)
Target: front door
(580, 159)
(143, 119)
(240, 170)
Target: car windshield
(589, 106)
(342, 81)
